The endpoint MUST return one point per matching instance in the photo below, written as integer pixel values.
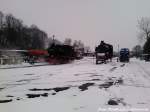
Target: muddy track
(147, 74)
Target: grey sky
(91, 21)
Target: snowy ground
(81, 86)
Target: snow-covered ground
(80, 86)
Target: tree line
(144, 34)
(15, 35)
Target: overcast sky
(114, 21)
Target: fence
(11, 60)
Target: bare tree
(15, 35)
(144, 26)
(13, 27)
(137, 50)
(37, 37)
(68, 41)
(87, 49)
(1, 19)
(78, 45)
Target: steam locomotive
(103, 52)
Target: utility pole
(53, 39)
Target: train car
(35, 56)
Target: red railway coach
(37, 52)
(36, 55)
